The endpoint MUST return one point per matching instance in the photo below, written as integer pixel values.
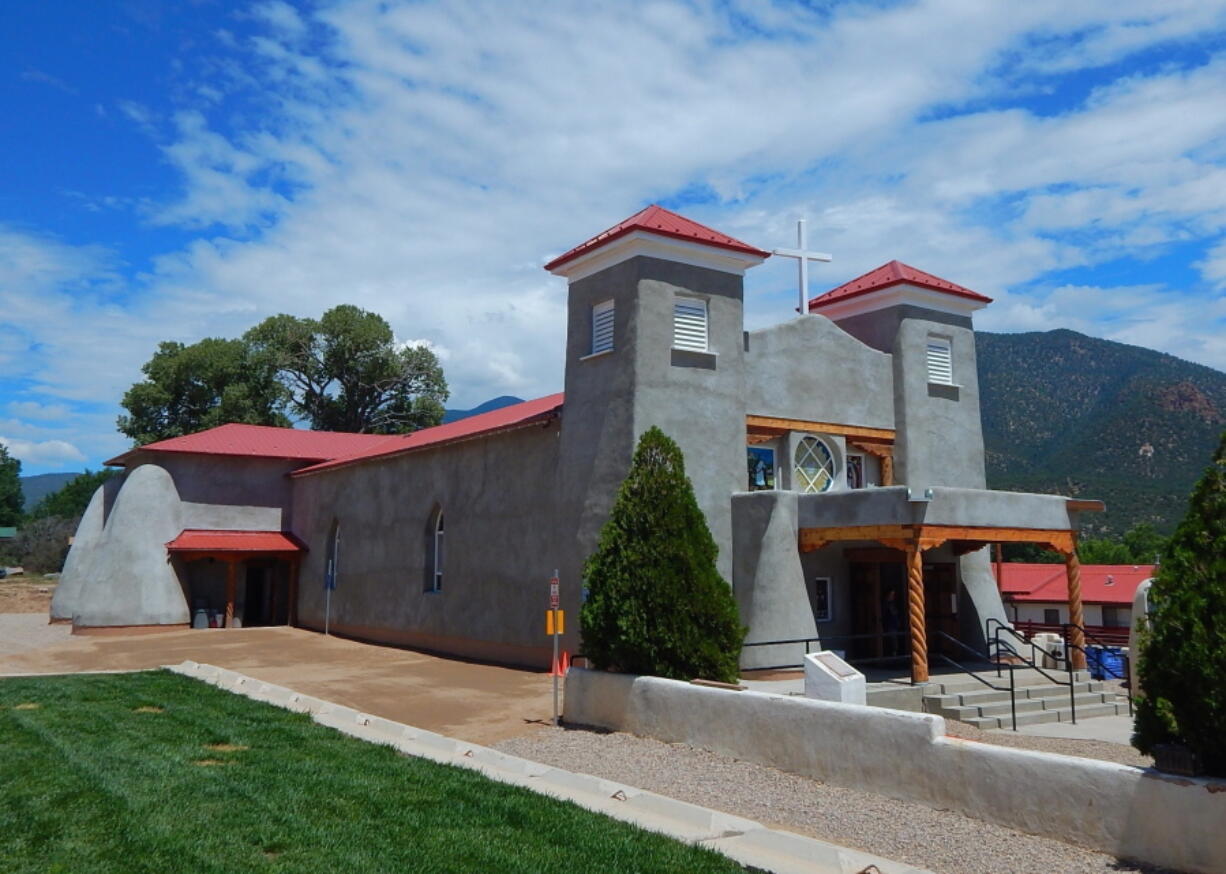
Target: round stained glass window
(814, 466)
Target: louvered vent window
(940, 361)
(690, 324)
(602, 327)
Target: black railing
(998, 648)
(1089, 636)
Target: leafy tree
(12, 500)
(345, 372)
(191, 388)
(42, 544)
(71, 500)
(656, 603)
(1182, 663)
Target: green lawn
(155, 772)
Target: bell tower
(655, 328)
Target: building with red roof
(1036, 595)
(837, 457)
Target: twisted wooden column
(915, 612)
(1072, 568)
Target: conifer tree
(656, 602)
(1182, 667)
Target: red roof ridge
(655, 219)
(484, 424)
(888, 275)
(259, 441)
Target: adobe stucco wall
(503, 536)
(1129, 812)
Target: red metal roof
(1100, 583)
(656, 219)
(506, 418)
(888, 275)
(202, 540)
(260, 441)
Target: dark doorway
(267, 594)
(880, 615)
(878, 607)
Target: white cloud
(49, 453)
(423, 160)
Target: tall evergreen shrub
(656, 603)
(1182, 668)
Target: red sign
(553, 594)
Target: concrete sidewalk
(1112, 729)
(478, 702)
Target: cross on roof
(803, 257)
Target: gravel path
(940, 840)
(22, 632)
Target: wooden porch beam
(1072, 569)
(773, 426)
(932, 536)
(231, 589)
(915, 612)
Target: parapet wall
(1132, 813)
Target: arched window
(814, 466)
(332, 564)
(436, 554)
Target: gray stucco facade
(446, 541)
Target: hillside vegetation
(1070, 414)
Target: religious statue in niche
(855, 471)
(761, 468)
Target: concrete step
(1036, 717)
(962, 684)
(1024, 705)
(988, 696)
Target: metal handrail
(995, 638)
(1127, 676)
(1012, 689)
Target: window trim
(680, 303)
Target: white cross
(804, 258)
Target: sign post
(553, 625)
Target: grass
(154, 772)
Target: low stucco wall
(1128, 812)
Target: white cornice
(652, 245)
(899, 295)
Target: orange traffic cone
(555, 670)
(565, 662)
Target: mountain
(494, 404)
(1070, 414)
(38, 486)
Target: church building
(838, 457)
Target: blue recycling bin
(1105, 662)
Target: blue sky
(181, 170)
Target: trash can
(1112, 664)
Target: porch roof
(217, 541)
(938, 515)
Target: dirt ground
(26, 594)
(476, 702)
